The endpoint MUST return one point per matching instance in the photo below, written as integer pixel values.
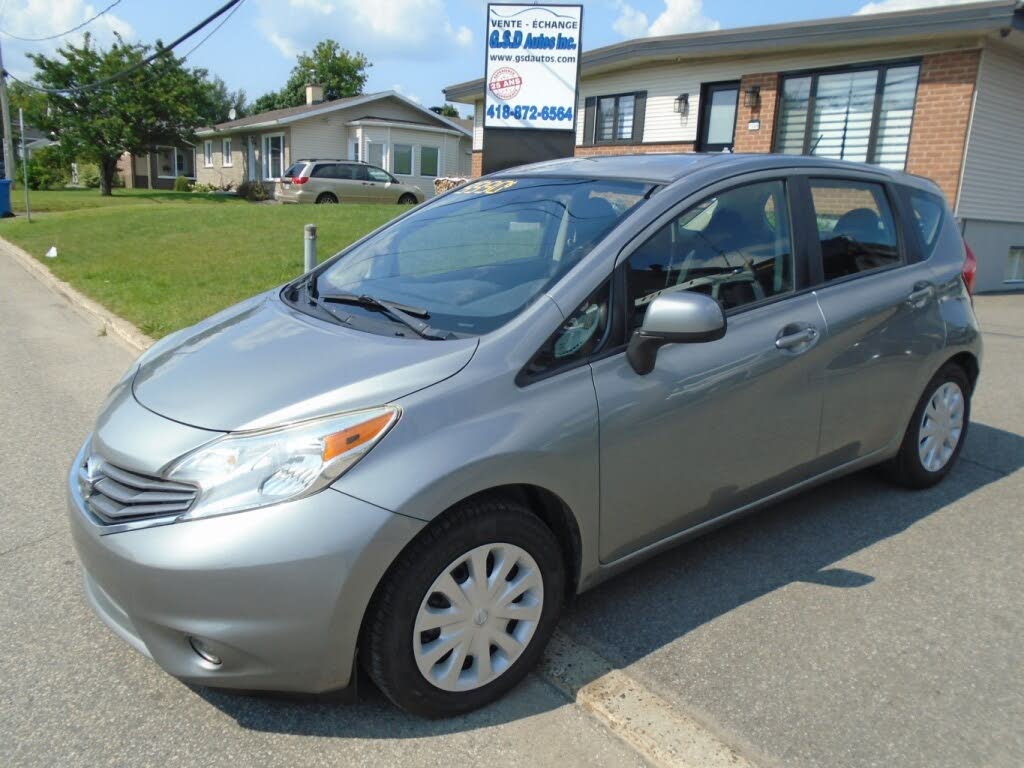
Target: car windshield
(476, 257)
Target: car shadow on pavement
(661, 601)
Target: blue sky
(416, 46)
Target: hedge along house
(383, 129)
(936, 92)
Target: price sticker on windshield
(487, 187)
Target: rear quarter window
(295, 169)
(928, 213)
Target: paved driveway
(854, 626)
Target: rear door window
(856, 227)
(295, 169)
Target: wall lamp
(752, 97)
(682, 104)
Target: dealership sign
(533, 59)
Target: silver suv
(412, 456)
(344, 181)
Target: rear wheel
(326, 198)
(466, 611)
(936, 433)
(407, 199)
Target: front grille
(115, 495)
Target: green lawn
(76, 199)
(165, 261)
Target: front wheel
(936, 433)
(466, 611)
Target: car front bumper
(278, 594)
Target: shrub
(89, 175)
(182, 184)
(46, 169)
(253, 191)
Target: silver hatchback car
(412, 456)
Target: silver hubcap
(478, 617)
(941, 427)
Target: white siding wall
(321, 137)
(452, 160)
(478, 125)
(993, 178)
(664, 83)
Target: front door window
(718, 116)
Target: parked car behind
(344, 181)
(413, 455)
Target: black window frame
(704, 116)
(590, 119)
(881, 66)
(906, 242)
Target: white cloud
(678, 16)
(40, 18)
(630, 22)
(399, 89)
(885, 6)
(382, 29)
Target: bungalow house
(937, 92)
(384, 129)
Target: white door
(251, 144)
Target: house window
(273, 156)
(402, 164)
(428, 161)
(375, 154)
(208, 154)
(616, 119)
(172, 162)
(1015, 265)
(226, 158)
(861, 114)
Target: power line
(138, 65)
(68, 32)
(213, 31)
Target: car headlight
(246, 470)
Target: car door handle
(921, 293)
(797, 339)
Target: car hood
(261, 364)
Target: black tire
(906, 468)
(326, 198)
(387, 643)
(407, 199)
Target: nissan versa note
(410, 457)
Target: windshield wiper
(405, 315)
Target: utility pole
(24, 161)
(6, 109)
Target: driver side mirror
(675, 318)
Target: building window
(273, 156)
(208, 154)
(1015, 265)
(402, 164)
(226, 158)
(375, 153)
(428, 161)
(172, 162)
(616, 119)
(859, 114)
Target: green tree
(446, 110)
(219, 100)
(160, 102)
(339, 72)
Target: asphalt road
(857, 625)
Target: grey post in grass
(310, 251)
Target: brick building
(937, 92)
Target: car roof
(667, 168)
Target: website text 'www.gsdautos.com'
(533, 58)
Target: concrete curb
(115, 327)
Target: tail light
(300, 179)
(970, 270)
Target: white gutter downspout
(970, 128)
